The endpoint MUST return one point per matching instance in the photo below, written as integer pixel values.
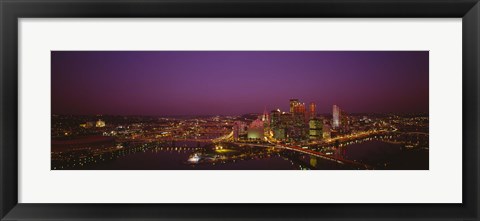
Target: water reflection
(227, 156)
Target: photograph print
(239, 110)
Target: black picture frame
(12, 10)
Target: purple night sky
(236, 82)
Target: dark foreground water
(383, 155)
(378, 154)
(178, 160)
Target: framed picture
(163, 110)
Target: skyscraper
(293, 103)
(299, 108)
(336, 117)
(278, 124)
(326, 131)
(312, 110)
(275, 118)
(265, 117)
(296, 107)
(344, 120)
(316, 129)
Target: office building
(315, 129)
(336, 117)
(293, 103)
(312, 110)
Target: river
(380, 155)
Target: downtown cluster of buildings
(87, 139)
(299, 124)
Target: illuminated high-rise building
(336, 117)
(312, 110)
(299, 108)
(277, 124)
(316, 129)
(265, 117)
(344, 120)
(292, 125)
(296, 123)
(296, 107)
(326, 133)
(275, 118)
(293, 103)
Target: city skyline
(167, 83)
(240, 110)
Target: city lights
(239, 110)
(223, 140)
